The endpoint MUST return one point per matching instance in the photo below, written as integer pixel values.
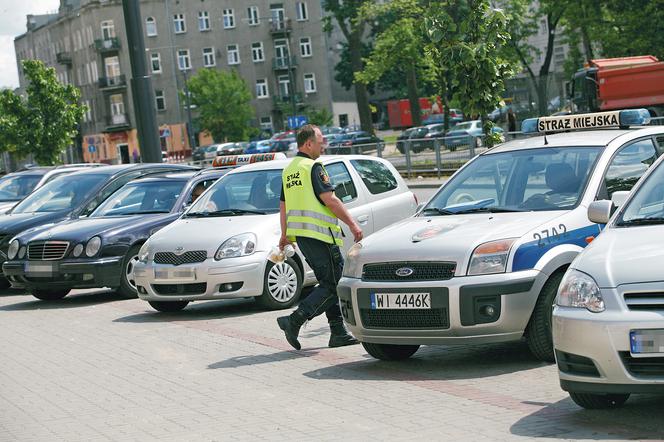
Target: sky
(12, 24)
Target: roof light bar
(239, 160)
(629, 117)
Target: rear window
(375, 175)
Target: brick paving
(95, 367)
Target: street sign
(165, 133)
(297, 121)
(92, 148)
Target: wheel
(593, 401)
(390, 352)
(463, 198)
(282, 285)
(168, 306)
(49, 295)
(538, 331)
(127, 287)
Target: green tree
(223, 102)
(43, 123)
(319, 117)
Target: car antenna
(546, 142)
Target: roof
(168, 176)
(112, 170)
(281, 164)
(37, 171)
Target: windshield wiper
(437, 211)
(225, 212)
(642, 221)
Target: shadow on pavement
(12, 292)
(437, 363)
(197, 311)
(70, 301)
(286, 355)
(640, 418)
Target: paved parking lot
(96, 367)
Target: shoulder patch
(324, 177)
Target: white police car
(482, 260)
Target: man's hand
(283, 241)
(357, 232)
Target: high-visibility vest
(305, 215)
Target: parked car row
(463, 134)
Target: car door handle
(362, 219)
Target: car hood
(447, 238)
(6, 205)
(624, 256)
(13, 223)
(209, 233)
(83, 229)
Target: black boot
(291, 326)
(339, 336)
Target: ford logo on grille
(404, 271)
(179, 251)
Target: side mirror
(600, 211)
(619, 198)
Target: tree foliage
(319, 117)
(223, 102)
(45, 121)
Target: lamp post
(190, 127)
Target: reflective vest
(305, 215)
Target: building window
(107, 31)
(229, 18)
(117, 109)
(150, 27)
(203, 21)
(309, 83)
(252, 14)
(261, 89)
(95, 73)
(257, 52)
(233, 54)
(160, 100)
(179, 24)
(208, 57)
(284, 85)
(301, 11)
(266, 123)
(305, 47)
(155, 62)
(183, 59)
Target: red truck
(619, 83)
(398, 111)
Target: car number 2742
(400, 301)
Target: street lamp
(190, 127)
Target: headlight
(77, 250)
(490, 257)
(239, 245)
(93, 246)
(580, 290)
(13, 249)
(143, 253)
(352, 268)
(21, 252)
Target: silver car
(608, 323)
(218, 249)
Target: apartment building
(278, 48)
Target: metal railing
(280, 63)
(112, 82)
(107, 44)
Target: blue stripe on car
(527, 255)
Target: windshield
(647, 204)
(62, 194)
(522, 180)
(14, 188)
(255, 192)
(142, 198)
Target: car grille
(47, 250)
(176, 260)
(408, 319)
(643, 367)
(180, 289)
(422, 271)
(645, 301)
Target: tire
(282, 285)
(390, 352)
(127, 287)
(168, 306)
(49, 295)
(593, 401)
(538, 331)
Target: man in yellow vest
(309, 217)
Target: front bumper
(226, 279)
(80, 273)
(598, 347)
(460, 300)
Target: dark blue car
(100, 250)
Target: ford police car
(608, 323)
(218, 249)
(481, 262)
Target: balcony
(117, 122)
(63, 58)
(283, 63)
(282, 26)
(109, 83)
(108, 44)
(283, 102)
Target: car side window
(627, 166)
(200, 187)
(375, 175)
(110, 189)
(340, 178)
(660, 144)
